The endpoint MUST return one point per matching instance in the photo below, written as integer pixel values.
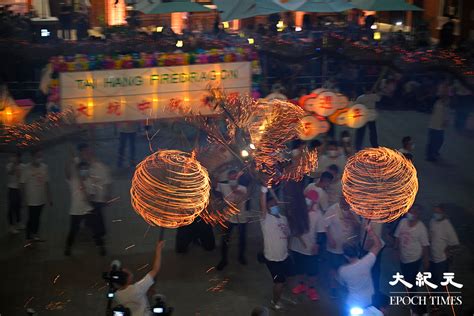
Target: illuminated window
(115, 12)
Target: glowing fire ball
(170, 189)
(379, 184)
(357, 116)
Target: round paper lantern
(308, 103)
(341, 101)
(339, 117)
(325, 103)
(312, 127)
(170, 189)
(379, 184)
(356, 116)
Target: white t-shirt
(339, 228)
(325, 161)
(442, 235)
(99, 180)
(369, 100)
(322, 203)
(356, 277)
(439, 115)
(275, 237)
(412, 240)
(134, 297)
(239, 199)
(79, 202)
(316, 226)
(35, 180)
(334, 191)
(13, 180)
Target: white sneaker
(13, 230)
(276, 306)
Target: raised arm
(157, 261)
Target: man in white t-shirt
(369, 99)
(100, 185)
(437, 125)
(14, 170)
(443, 241)
(236, 194)
(35, 183)
(275, 231)
(356, 275)
(413, 244)
(334, 190)
(315, 193)
(134, 295)
(341, 226)
(77, 175)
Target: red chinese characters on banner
(114, 108)
(144, 105)
(233, 96)
(81, 110)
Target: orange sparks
(143, 267)
(170, 189)
(28, 301)
(56, 279)
(210, 269)
(379, 184)
(129, 247)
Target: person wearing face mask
(346, 143)
(275, 231)
(443, 242)
(413, 245)
(234, 193)
(341, 226)
(35, 185)
(78, 178)
(332, 156)
(407, 147)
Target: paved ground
(42, 278)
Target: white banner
(141, 93)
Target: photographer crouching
(131, 298)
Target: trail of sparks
(28, 301)
(129, 247)
(143, 267)
(56, 279)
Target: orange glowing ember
(380, 184)
(170, 189)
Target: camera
(115, 276)
(159, 307)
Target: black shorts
(305, 264)
(279, 270)
(335, 260)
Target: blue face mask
(438, 216)
(275, 210)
